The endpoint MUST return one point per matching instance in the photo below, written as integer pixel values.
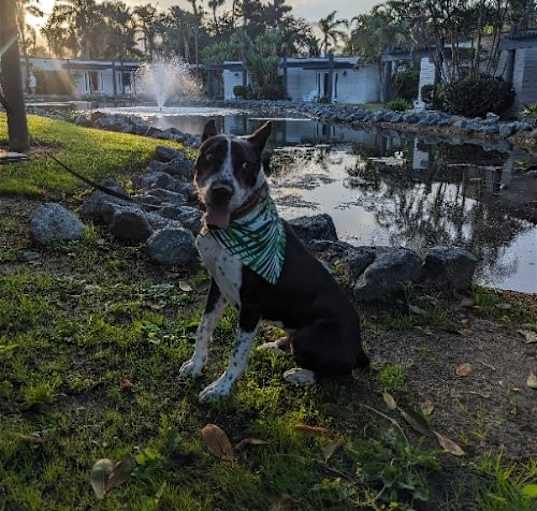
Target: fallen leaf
(121, 473)
(463, 370)
(389, 400)
(330, 448)
(530, 336)
(449, 445)
(427, 408)
(31, 439)
(417, 421)
(532, 380)
(185, 286)
(504, 306)
(100, 473)
(125, 385)
(217, 442)
(530, 491)
(249, 441)
(313, 430)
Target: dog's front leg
(248, 321)
(213, 312)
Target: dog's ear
(209, 130)
(259, 137)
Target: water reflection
(385, 188)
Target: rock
(172, 246)
(506, 129)
(180, 166)
(160, 195)
(191, 218)
(162, 180)
(159, 222)
(166, 154)
(532, 173)
(389, 274)
(491, 117)
(317, 227)
(97, 206)
(450, 267)
(130, 224)
(52, 223)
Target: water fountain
(164, 79)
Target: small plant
(39, 394)
(530, 110)
(405, 84)
(392, 377)
(399, 105)
(242, 92)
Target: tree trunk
(12, 79)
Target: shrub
(530, 110)
(324, 100)
(475, 97)
(406, 83)
(399, 105)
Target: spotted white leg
(239, 360)
(213, 312)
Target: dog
(258, 265)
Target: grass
(95, 153)
(91, 341)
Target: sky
(312, 10)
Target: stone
(450, 267)
(53, 223)
(390, 274)
(130, 224)
(191, 218)
(172, 246)
(317, 227)
(161, 180)
(491, 117)
(161, 195)
(179, 167)
(97, 206)
(166, 154)
(506, 130)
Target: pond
(392, 189)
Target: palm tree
(214, 5)
(26, 33)
(331, 33)
(147, 19)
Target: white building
(83, 77)
(342, 80)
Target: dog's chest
(224, 267)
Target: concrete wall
(302, 84)
(231, 80)
(525, 76)
(427, 72)
(360, 85)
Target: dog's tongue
(218, 217)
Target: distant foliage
(242, 92)
(406, 83)
(399, 105)
(475, 97)
(530, 110)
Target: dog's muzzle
(218, 199)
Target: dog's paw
(191, 368)
(216, 390)
(299, 376)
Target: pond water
(386, 188)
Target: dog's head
(228, 171)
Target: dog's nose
(221, 193)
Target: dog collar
(258, 238)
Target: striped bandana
(258, 239)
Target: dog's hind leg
(213, 312)
(248, 321)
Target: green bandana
(258, 239)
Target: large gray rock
(507, 129)
(166, 154)
(180, 166)
(97, 206)
(450, 267)
(52, 223)
(191, 218)
(172, 246)
(161, 195)
(317, 227)
(390, 274)
(162, 180)
(130, 224)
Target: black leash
(89, 182)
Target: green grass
(95, 153)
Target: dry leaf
(449, 445)
(31, 439)
(100, 474)
(530, 336)
(532, 380)
(417, 421)
(313, 430)
(125, 385)
(463, 370)
(249, 441)
(218, 442)
(427, 408)
(389, 400)
(185, 286)
(330, 448)
(121, 473)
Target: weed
(392, 377)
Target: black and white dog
(323, 326)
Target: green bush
(242, 92)
(530, 110)
(399, 105)
(475, 97)
(406, 83)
